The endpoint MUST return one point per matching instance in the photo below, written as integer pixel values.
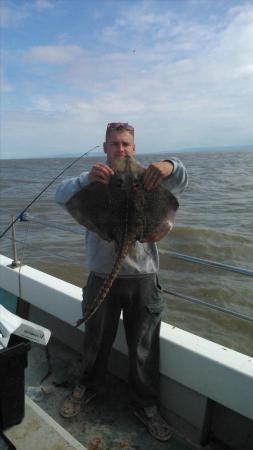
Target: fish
(123, 211)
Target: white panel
(57, 297)
(208, 368)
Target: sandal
(154, 422)
(72, 404)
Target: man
(135, 291)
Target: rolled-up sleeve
(178, 180)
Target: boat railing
(26, 217)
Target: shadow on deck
(107, 422)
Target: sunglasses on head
(116, 125)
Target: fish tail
(115, 270)
(105, 288)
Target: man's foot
(72, 404)
(154, 422)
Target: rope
(49, 365)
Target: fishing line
(48, 253)
(48, 356)
(45, 188)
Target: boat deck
(107, 422)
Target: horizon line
(224, 148)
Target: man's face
(118, 144)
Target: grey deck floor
(106, 423)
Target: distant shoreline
(243, 148)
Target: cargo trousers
(141, 302)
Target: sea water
(214, 222)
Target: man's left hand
(156, 172)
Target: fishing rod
(45, 188)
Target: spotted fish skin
(124, 203)
(123, 211)
(106, 287)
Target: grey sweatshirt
(143, 258)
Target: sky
(179, 71)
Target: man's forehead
(118, 136)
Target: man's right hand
(100, 172)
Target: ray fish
(123, 211)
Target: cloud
(42, 104)
(11, 14)
(6, 87)
(53, 54)
(44, 4)
(181, 81)
(144, 16)
(154, 23)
